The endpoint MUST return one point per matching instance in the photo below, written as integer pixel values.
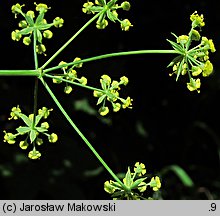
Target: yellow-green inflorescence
(108, 10)
(70, 74)
(135, 184)
(193, 61)
(110, 92)
(32, 24)
(32, 130)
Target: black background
(178, 127)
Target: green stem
(19, 73)
(109, 55)
(70, 40)
(80, 134)
(75, 83)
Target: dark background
(168, 125)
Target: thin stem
(19, 73)
(80, 134)
(36, 78)
(70, 40)
(74, 83)
(109, 55)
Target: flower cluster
(134, 184)
(194, 61)
(69, 75)
(110, 92)
(108, 10)
(31, 26)
(31, 130)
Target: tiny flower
(155, 183)
(142, 187)
(42, 8)
(57, 80)
(16, 9)
(78, 65)
(83, 80)
(48, 34)
(126, 6)
(40, 49)
(26, 41)
(31, 14)
(87, 7)
(127, 103)
(23, 145)
(102, 25)
(108, 187)
(39, 141)
(97, 93)
(139, 168)
(22, 24)
(9, 138)
(103, 111)
(62, 63)
(125, 25)
(208, 69)
(53, 138)
(116, 107)
(105, 78)
(68, 89)
(194, 85)
(195, 35)
(14, 113)
(212, 46)
(196, 70)
(58, 22)
(197, 20)
(183, 39)
(15, 35)
(124, 80)
(34, 154)
(44, 125)
(45, 112)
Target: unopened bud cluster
(108, 11)
(110, 92)
(30, 26)
(193, 61)
(69, 74)
(134, 183)
(33, 130)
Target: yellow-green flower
(197, 20)
(103, 111)
(9, 138)
(125, 25)
(127, 103)
(87, 7)
(48, 34)
(108, 187)
(194, 85)
(208, 69)
(139, 168)
(45, 125)
(34, 154)
(53, 138)
(40, 49)
(83, 80)
(58, 22)
(124, 80)
(155, 183)
(23, 145)
(45, 112)
(142, 187)
(68, 89)
(42, 8)
(15, 35)
(13, 113)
